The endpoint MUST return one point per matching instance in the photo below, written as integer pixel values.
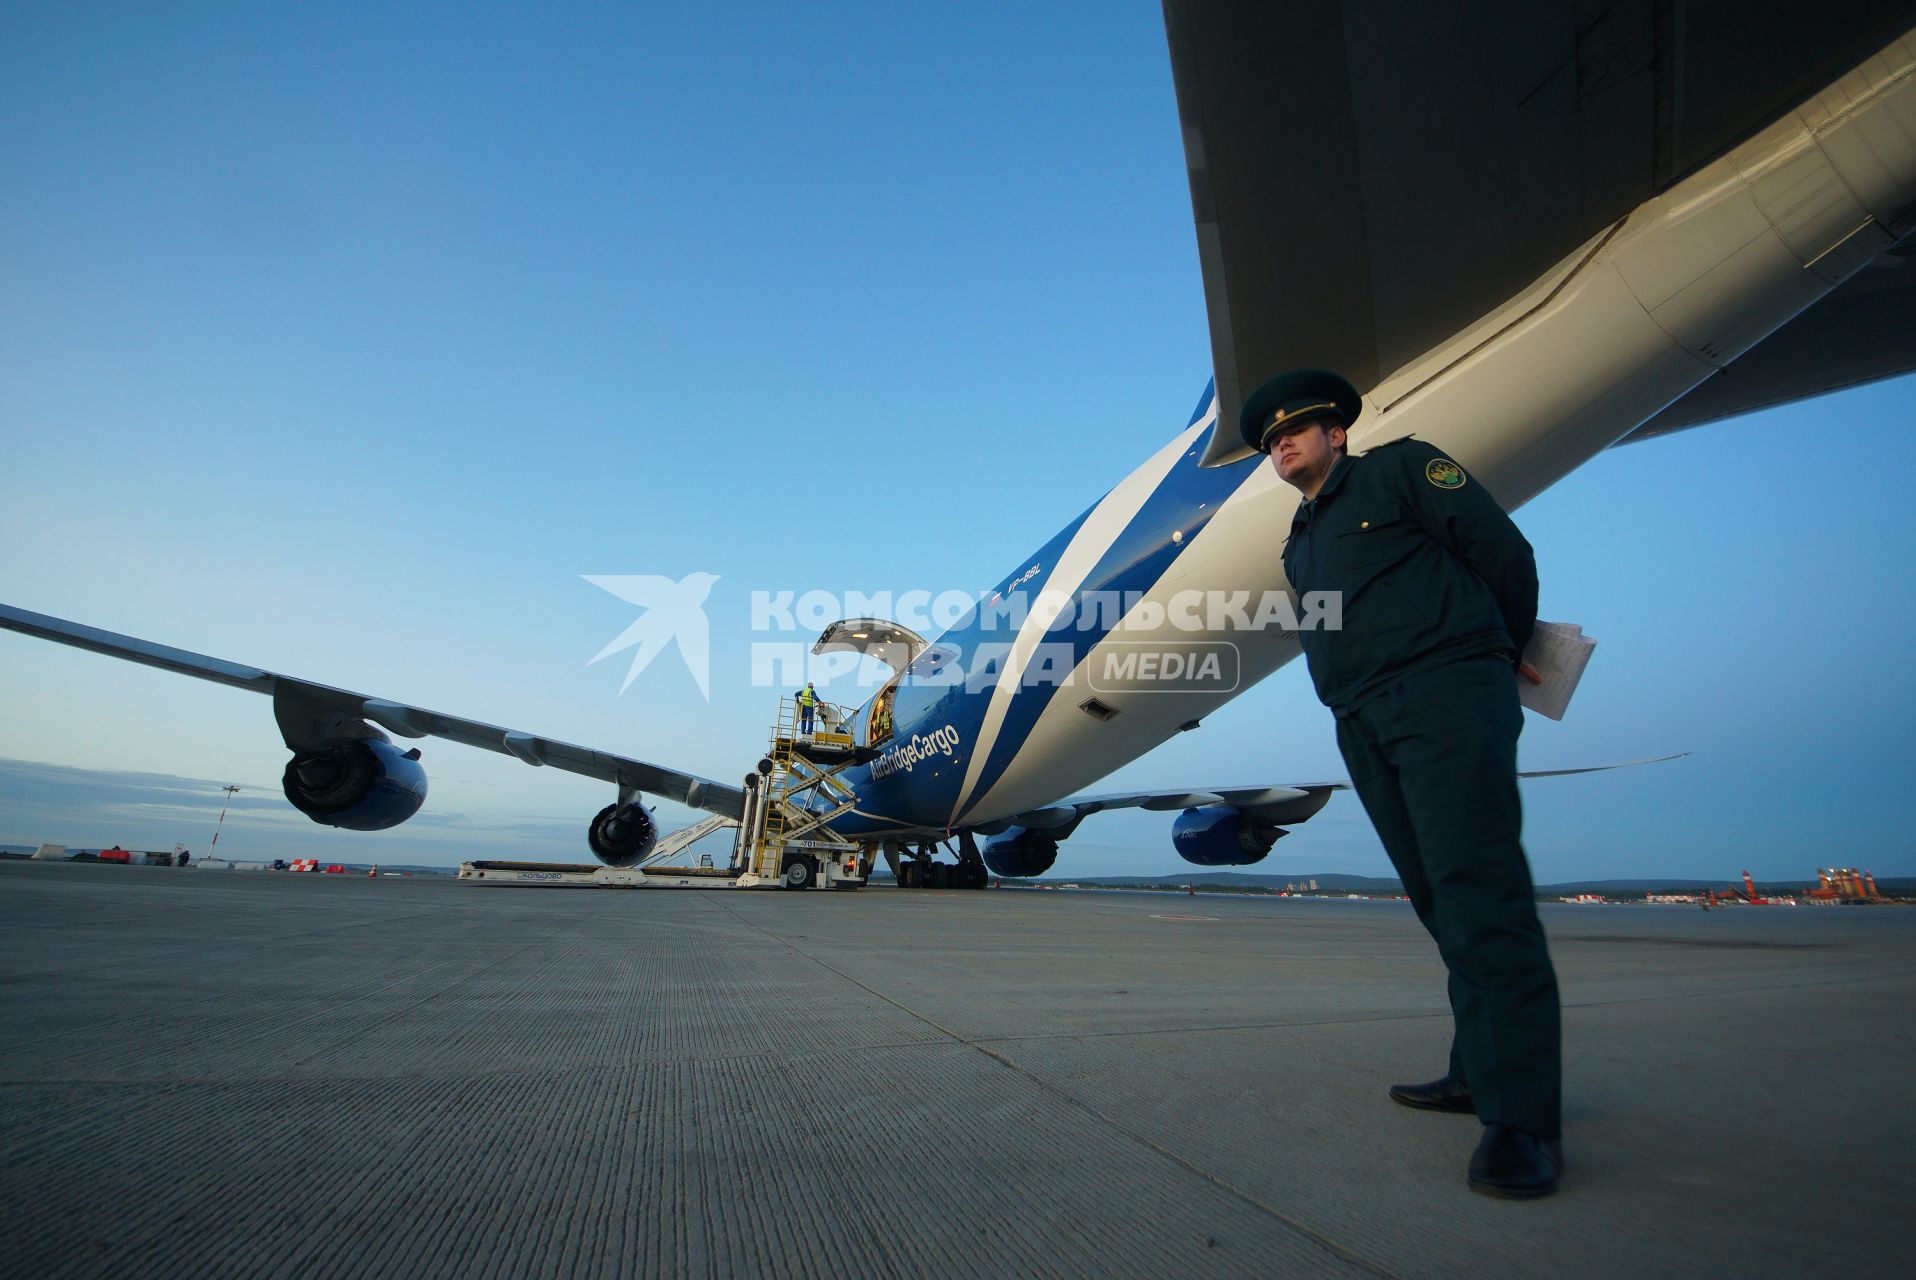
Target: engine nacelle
(363, 785)
(1020, 854)
(623, 834)
(1220, 836)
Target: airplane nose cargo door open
(894, 645)
(786, 834)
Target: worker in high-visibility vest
(807, 707)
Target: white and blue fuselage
(991, 719)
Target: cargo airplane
(1524, 236)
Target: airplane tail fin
(1206, 405)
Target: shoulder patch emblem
(1444, 473)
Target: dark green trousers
(1434, 759)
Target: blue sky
(344, 343)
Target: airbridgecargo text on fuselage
(906, 756)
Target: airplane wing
(309, 712)
(1283, 804)
(1368, 178)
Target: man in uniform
(807, 707)
(1439, 594)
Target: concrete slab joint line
(1341, 1252)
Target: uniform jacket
(1430, 568)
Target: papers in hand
(1559, 651)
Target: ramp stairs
(679, 841)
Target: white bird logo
(673, 611)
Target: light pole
(229, 790)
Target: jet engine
(1220, 836)
(364, 785)
(1019, 854)
(623, 834)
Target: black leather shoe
(1515, 1164)
(1448, 1094)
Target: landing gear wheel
(971, 872)
(798, 874)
